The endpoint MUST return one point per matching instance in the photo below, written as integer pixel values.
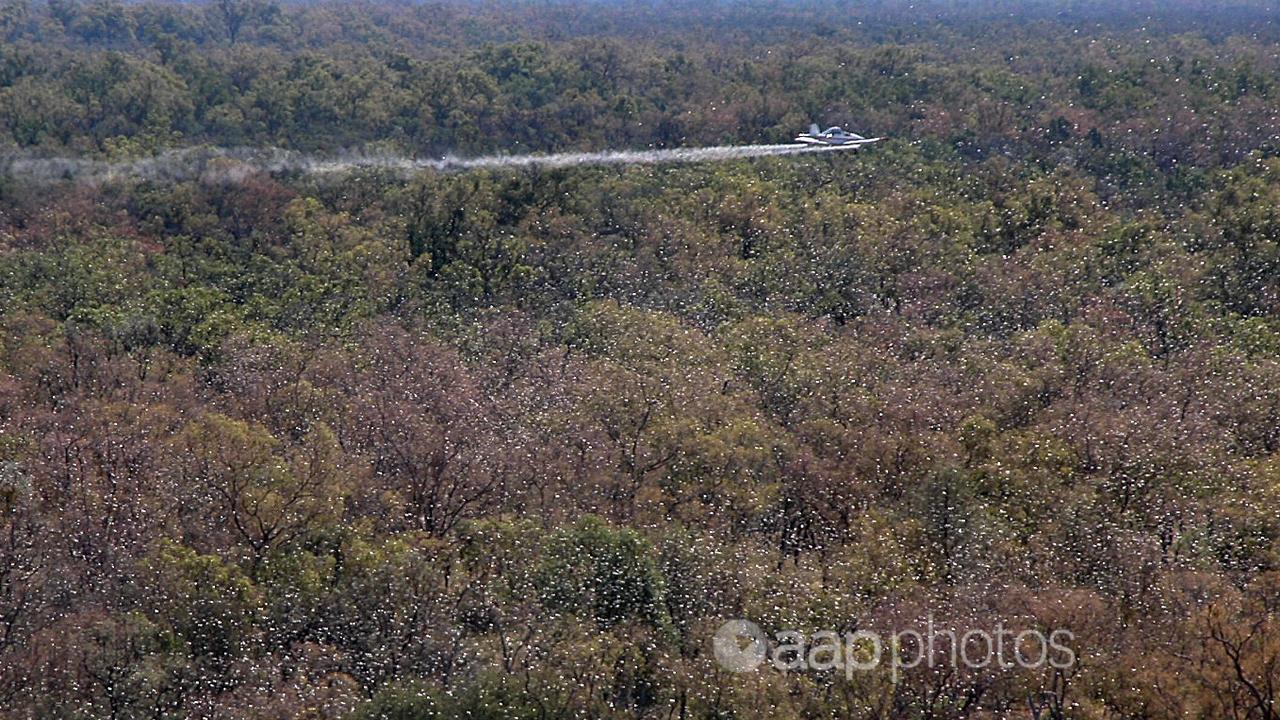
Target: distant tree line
(113, 79)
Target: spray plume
(233, 164)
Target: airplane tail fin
(813, 129)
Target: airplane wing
(850, 145)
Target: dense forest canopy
(108, 78)
(514, 443)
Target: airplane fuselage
(811, 140)
(833, 136)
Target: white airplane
(833, 136)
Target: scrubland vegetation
(514, 444)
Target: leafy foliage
(512, 444)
